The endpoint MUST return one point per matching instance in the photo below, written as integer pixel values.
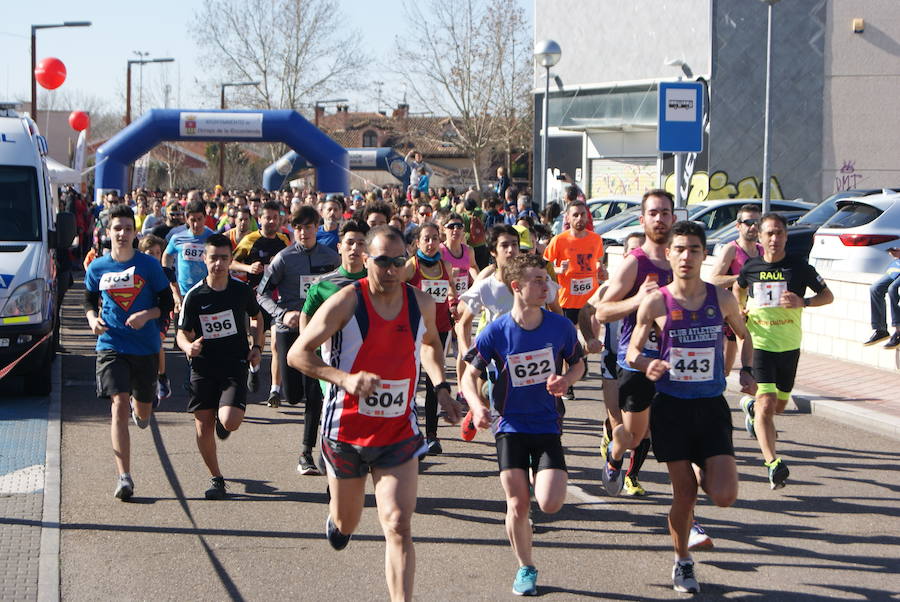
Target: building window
(370, 139)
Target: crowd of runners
(360, 294)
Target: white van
(31, 232)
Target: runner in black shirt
(212, 332)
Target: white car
(711, 214)
(857, 237)
(602, 208)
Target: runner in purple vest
(690, 420)
(727, 267)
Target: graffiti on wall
(626, 179)
(717, 186)
(847, 178)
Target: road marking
(25, 480)
(584, 495)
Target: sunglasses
(454, 226)
(748, 222)
(386, 261)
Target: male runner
(212, 332)
(328, 233)
(775, 284)
(352, 248)
(690, 419)
(135, 293)
(642, 272)
(577, 254)
(727, 267)
(527, 347)
(371, 335)
(252, 255)
(185, 252)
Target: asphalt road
(832, 533)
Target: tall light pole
(766, 201)
(142, 56)
(547, 54)
(140, 62)
(222, 106)
(34, 29)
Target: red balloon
(50, 73)
(79, 120)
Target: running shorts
(221, 385)
(690, 429)
(775, 370)
(348, 461)
(126, 373)
(636, 391)
(529, 450)
(608, 366)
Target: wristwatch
(443, 385)
(747, 369)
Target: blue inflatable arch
(328, 157)
(382, 158)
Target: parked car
(712, 215)
(602, 208)
(728, 233)
(856, 238)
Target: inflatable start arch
(382, 158)
(160, 125)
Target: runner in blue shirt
(185, 251)
(528, 347)
(135, 293)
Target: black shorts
(636, 391)
(778, 367)
(690, 429)
(528, 450)
(125, 373)
(572, 314)
(348, 461)
(220, 385)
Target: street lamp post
(766, 200)
(547, 54)
(222, 106)
(34, 29)
(140, 62)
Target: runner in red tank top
(373, 335)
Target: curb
(48, 568)
(849, 414)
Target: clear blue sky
(96, 56)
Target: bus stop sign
(680, 117)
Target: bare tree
(467, 67)
(298, 50)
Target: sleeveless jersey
(741, 257)
(439, 289)
(691, 341)
(388, 348)
(645, 267)
(462, 263)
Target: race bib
(768, 294)
(192, 251)
(306, 281)
(581, 286)
(438, 289)
(652, 343)
(531, 367)
(217, 326)
(692, 365)
(461, 283)
(389, 400)
(117, 280)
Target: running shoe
(750, 426)
(434, 447)
(569, 395)
(747, 403)
(683, 578)
(274, 400)
(124, 487)
(633, 487)
(526, 581)
(778, 473)
(138, 422)
(698, 539)
(613, 480)
(253, 381)
(163, 387)
(337, 539)
(307, 465)
(221, 432)
(877, 336)
(216, 489)
(467, 430)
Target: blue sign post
(680, 124)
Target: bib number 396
(530, 367)
(217, 326)
(389, 400)
(692, 365)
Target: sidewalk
(855, 394)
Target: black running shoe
(337, 539)
(778, 473)
(216, 489)
(307, 465)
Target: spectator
(502, 182)
(416, 163)
(890, 284)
